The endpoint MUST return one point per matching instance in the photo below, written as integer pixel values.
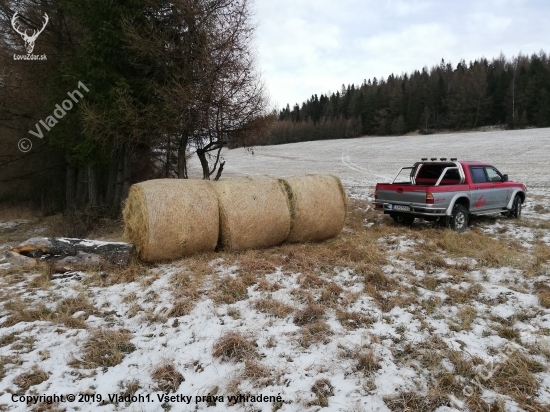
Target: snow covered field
(384, 318)
(361, 162)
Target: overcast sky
(314, 46)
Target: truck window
(452, 175)
(428, 171)
(493, 174)
(478, 174)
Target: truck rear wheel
(459, 218)
(406, 220)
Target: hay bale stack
(171, 218)
(318, 205)
(254, 213)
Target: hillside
(382, 318)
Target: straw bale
(171, 218)
(318, 206)
(254, 213)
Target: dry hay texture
(254, 213)
(318, 206)
(171, 218)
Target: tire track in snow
(346, 162)
(353, 166)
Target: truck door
(480, 189)
(500, 194)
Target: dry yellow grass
(181, 308)
(230, 290)
(310, 280)
(515, 376)
(8, 339)
(330, 295)
(466, 317)
(310, 314)
(353, 320)
(462, 295)
(257, 373)
(234, 346)
(105, 348)
(258, 262)
(487, 250)
(265, 286)
(413, 401)
(366, 362)
(34, 376)
(129, 388)
(476, 404)
(315, 332)
(273, 307)
(133, 272)
(21, 311)
(322, 389)
(171, 218)
(189, 281)
(43, 280)
(167, 378)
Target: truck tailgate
(401, 194)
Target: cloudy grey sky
(314, 46)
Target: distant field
(361, 162)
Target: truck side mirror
(505, 178)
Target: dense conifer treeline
(513, 93)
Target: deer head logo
(29, 40)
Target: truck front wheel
(459, 218)
(516, 208)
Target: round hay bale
(254, 213)
(318, 206)
(171, 218)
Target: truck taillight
(429, 198)
(375, 194)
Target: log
(64, 254)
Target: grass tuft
(33, 377)
(367, 362)
(105, 348)
(181, 308)
(257, 373)
(412, 401)
(310, 314)
(230, 290)
(167, 378)
(234, 346)
(322, 389)
(273, 307)
(353, 320)
(543, 293)
(314, 333)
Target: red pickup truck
(449, 192)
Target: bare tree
(205, 75)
